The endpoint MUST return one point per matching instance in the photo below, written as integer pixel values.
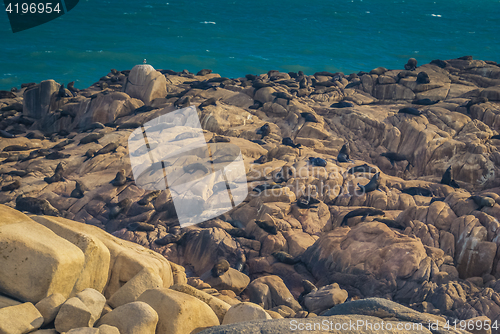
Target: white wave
(436, 15)
(208, 22)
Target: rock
(313, 326)
(94, 301)
(6, 301)
(126, 258)
(36, 101)
(35, 253)
(325, 298)
(49, 307)
(384, 308)
(83, 330)
(231, 280)
(107, 329)
(145, 83)
(179, 313)
(271, 291)
(20, 319)
(73, 314)
(94, 273)
(218, 306)
(245, 312)
(130, 291)
(132, 318)
(107, 108)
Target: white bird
(144, 61)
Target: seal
(307, 202)
(35, 135)
(411, 65)
(57, 155)
(309, 117)
(194, 167)
(393, 157)
(241, 260)
(258, 141)
(129, 125)
(372, 185)
(391, 223)
(220, 268)
(344, 152)
(149, 197)
(261, 187)
(58, 175)
(208, 102)
(93, 137)
(62, 92)
(140, 227)
(168, 239)
(447, 179)
(439, 63)
(204, 72)
(269, 227)
(219, 139)
(410, 111)
(236, 232)
(6, 134)
(483, 201)
(284, 257)
(495, 137)
(417, 191)
(119, 179)
(262, 160)
(264, 130)
(36, 206)
(111, 147)
(361, 169)
(317, 162)
(20, 173)
(16, 148)
(12, 186)
(37, 153)
(61, 145)
(342, 104)
(79, 190)
(287, 141)
(363, 212)
(120, 207)
(425, 102)
(423, 78)
(308, 286)
(437, 199)
(183, 102)
(71, 87)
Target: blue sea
(234, 37)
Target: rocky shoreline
(419, 244)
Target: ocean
(234, 38)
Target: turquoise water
(234, 38)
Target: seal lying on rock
(483, 201)
(120, 207)
(305, 202)
(36, 206)
(261, 187)
(391, 223)
(262, 160)
(363, 212)
(284, 257)
(309, 117)
(61, 145)
(423, 78)
(264, 130)
(446, 179)
(93, 137)
(12, 186)
(343, 104)
(149, 197)
(344, 152)
(317, 162)
(57, 155)
(287, 141)
(220, 268)
(372, 185)
(119, 179)
(58, 175)
(111, 147)
(410, 111)
(140, 227)
(168, 239)
(361, 169)
(425, 102)
(269, 227)
(417, 191)
(393, 157)
(6, 134)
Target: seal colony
(401, 162)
